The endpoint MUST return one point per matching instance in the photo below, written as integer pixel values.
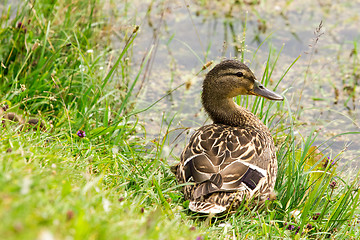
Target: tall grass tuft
(90, 174)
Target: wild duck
(234, 158)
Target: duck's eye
(239, 74)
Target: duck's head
(231, 78)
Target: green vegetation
(95, 174)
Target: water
(326, 75)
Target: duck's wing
(224, 158)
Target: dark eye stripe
(238, 74)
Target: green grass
(116, 183)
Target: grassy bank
(95, 174)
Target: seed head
(316, 216)
(332, 185)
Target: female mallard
(234, 158)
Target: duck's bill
(260, 90)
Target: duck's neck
(226, 111)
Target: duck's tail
(217, 202)
(206, 207)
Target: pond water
(322, 84)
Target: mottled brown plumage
(234, 158)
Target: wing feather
(224, 158)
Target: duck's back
(226, 165)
